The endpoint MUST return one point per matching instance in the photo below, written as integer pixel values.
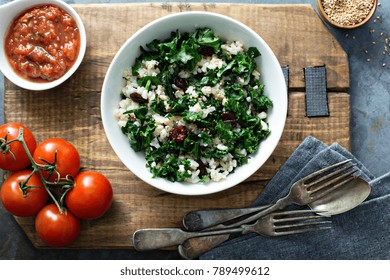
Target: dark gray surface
(359, 234)
(316, 92)
(370, 120)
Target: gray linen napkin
(361, 233)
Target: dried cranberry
(229, 117)
(180, 83)
(202, 168)
(178, 134)
(136, 97)
(206, 50)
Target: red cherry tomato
(20, 159)
(91, 196)
(68, 158)
(55, 229)
(12, 195)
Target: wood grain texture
(72, 111)
(294, 32)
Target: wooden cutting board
(72, 111)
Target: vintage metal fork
(274, 224)
(303, 192)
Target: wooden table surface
(72, 111)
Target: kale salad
(194, 105)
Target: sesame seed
(349, 12)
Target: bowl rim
(227, 182)
(19, 7)
(325, 16)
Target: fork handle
(150, 239)
(202, 219)
(280, 204)
(156, 238)
(194, 247)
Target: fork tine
(300, 226)
(299, 221)
(332, 174)
(324, 170)
(337, 176)
(295, 215)
(298, 231)
(297, 218)
(329, 190)
(303, 224)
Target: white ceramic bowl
(228, 29)
(8, 12)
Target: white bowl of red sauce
(43, 42)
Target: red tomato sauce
(43, 43)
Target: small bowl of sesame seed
(346, 14)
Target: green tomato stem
(37, 169)
(23, 185)
(66, 183)
(4, 147)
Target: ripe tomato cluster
(46, 182)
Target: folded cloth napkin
(361, 233)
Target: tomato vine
(46, 182)
(59, 187)
(4, 147)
